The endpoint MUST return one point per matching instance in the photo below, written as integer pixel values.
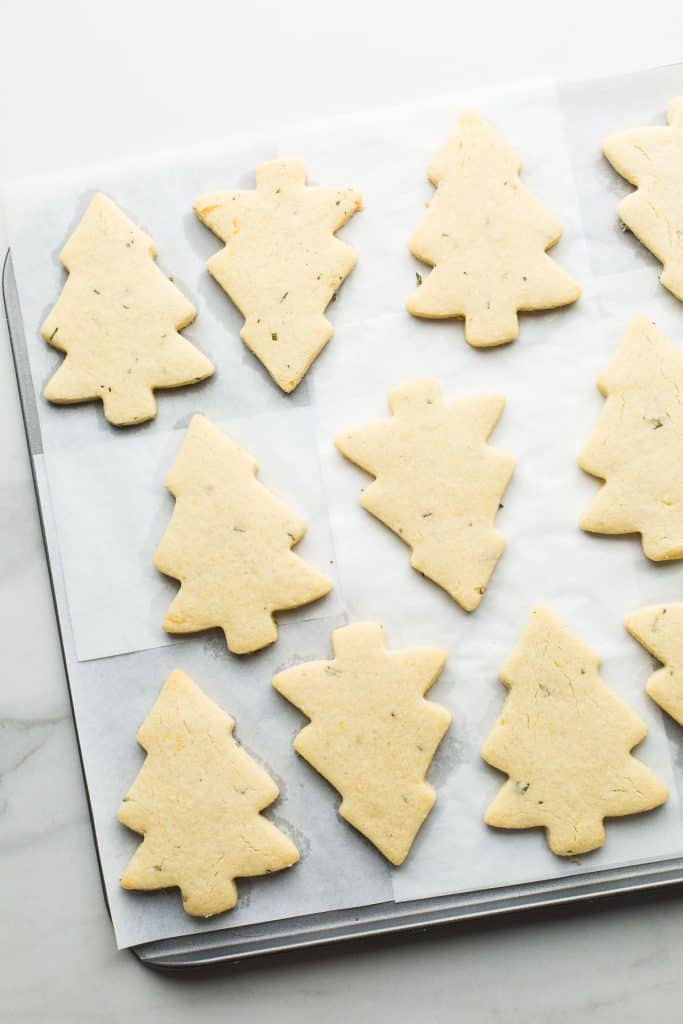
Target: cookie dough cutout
(281, 264)
(229, 544)
(197, 801)
(563, 738)
(438, 483)
(486, 237)
(652, 159)
(637, 444)
(372, 734)
(117, 319)
(660, 630)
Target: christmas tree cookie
(281, 264)
(438, 483)
(652, 159)
(117, 319)
(229, 543)
(197, 802)
(486, 237)
(637, 445)
(660, 630)
(564, 739)
(372, 734)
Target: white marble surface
(84, 81)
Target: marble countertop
(83, 82)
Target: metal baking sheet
(368, 325)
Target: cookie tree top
(660, 630)
(117, 319)
(564, 739)
(372, 734)
(652, 159)
(281, 264)
(486, 236)
(439, 484)
(197, 802)
(229, 543)
(637, 444)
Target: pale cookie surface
(229, 544)
(372, 734)
(281, 264)
(660, 630)
(486, 237)
(652, 159)
(438, 483)
(637, 444)
(197, 801)
(564, 739)
(117, 319)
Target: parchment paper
(548, 377)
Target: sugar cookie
(117, 319)
(438, 483)
(660, 630)
(564, 739)
(281, 264)
(229, 543)
(652, 159)
(637, 444)
(197, 801)
(486, 237)
(372, 734)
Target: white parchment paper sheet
(548, 377)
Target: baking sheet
(548, 377)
